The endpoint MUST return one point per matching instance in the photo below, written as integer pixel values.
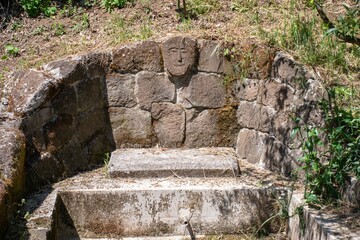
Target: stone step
(161, 162)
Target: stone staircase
(158, 194)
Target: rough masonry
(177, 93)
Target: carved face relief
(179, 55)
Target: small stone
(251, 145)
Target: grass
(284, 24)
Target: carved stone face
(179, 55)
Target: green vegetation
(331, 153)
(111, 4)
(12, 50)
(35, 7)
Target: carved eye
(183, 50)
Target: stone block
(120, 90)
(211, 57)
(204, 91)
(66, 71)
(3, 210)
(214, 127)
(277, 157)
(179, 55)
(46, 168)
(144, 56)
(131, 127)
(169, 124)
(151, 88)
(255, 116)
(160, 162)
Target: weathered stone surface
(285, 68)
(31, 90)
(255, 116)
(66, 71)
(144, 56)
(211, 56)
(12, 175)
(44, 169)
(3, 210)
(204, 90)
(90, 94)
(251, 145)
(131, 127)
(247, 90)
(160, 162)
(120, 90)
(276, 157)
(72, 158)
(169, 124)
(276, 95)
(87, 125)
(96, 64)
(260, 60)
(313, 91)
(179, 55)
(66, 101)
(153, 209)
(215, 127)
(59, 132)
(151, 88)
(37, 119)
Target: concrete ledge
(314, 224)
(160, 162)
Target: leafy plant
(200, 7)
(35, 7)
(12, 50)
(111, 4)
(328, 171)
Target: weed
(69, 9)
(119, 30)
(12, 50)
(185, 25)
(83, 24)
(328, 171)
(200, 7)
(34, 7)
(111, 4)
(145, 31)
(16, 26)
(38, 30)
(59, 29)
(106, 164)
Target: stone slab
(160, 162)
(318, 225)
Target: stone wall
(172, 93)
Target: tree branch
(326, 20)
